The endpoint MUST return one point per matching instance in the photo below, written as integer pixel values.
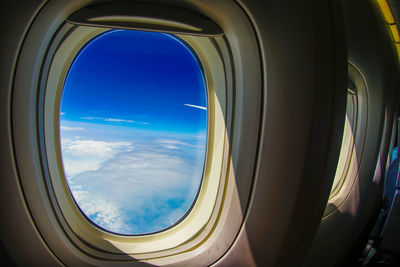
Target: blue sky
(133, 130)
(140, 78)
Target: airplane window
(348, 146)
(133, 129)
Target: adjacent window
(347, 150)
(133, 129)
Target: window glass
(133, 127)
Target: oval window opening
(133, 128)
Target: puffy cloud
(102, 212)
(142, 189)
(92, 147)
(74, 166)
(83, 155)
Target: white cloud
(118, 120)
(172, 141)
(92, 147)
(142, 189)
(84, 155)
(74, 166)
(175, 144)
(195, 106)
(62, 113)
(115, 120)
(92, 118)
(67, 128)
(101, 211)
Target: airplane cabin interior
(200, 133)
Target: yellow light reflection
(387, 13)
(395, 33)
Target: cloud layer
(134, 188)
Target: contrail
(194, 106)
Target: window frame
(203, 206)
(66, 49)
(238, 139)
(348, 144)
(354, 157)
